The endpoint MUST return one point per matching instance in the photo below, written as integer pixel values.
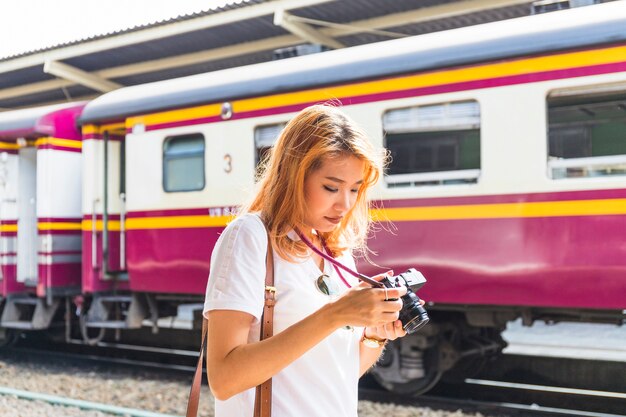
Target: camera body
(413, 316)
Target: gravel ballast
(129, 387)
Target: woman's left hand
(389, 331)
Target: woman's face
(330, 191)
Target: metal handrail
(123, 232)
(94, 238)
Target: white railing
(427, 177)
(590, 167)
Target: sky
(26, 25)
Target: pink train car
(40, 213)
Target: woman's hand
(389, 331)
(364, 306)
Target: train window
(264, 139)
(183, 163)
(586, 136)
(433, 145)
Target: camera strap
(336, 263)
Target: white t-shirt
(324, 381)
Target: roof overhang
(235, 35)
(532, 35)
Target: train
(506, 187)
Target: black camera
(413, 316)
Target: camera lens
(417, 322)
(413, 316)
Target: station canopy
(238, 34)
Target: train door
(27, 217)
(104, 185)
(106, 199)
(8, 222)
(114, 207)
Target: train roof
(569, 29)
(58, 120)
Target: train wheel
(477, 349)
(8, 337)
(405, 369)
(90, 339)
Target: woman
(311, 200)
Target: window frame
(257, 157)
(587, 163)
(425, 179)
(166, 158)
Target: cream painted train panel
(89, 170)
(8, 186)
(93, 176)
(27, 215)
(59, 184)
(229, 166)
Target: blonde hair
(317, 133)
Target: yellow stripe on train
(111, 127)
(113, 225)
(58, 226)
(482, 72)
(66, 143)
(504, 210)
(7, 146)
(8, 228)
(175, 222)
(164, 222)
(603, 207)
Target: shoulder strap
(194, 394)
(263, 400)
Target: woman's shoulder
(248, 224)
(250, 221)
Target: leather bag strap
(263, 399)
(194, 394)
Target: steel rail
(534, 387)
(484, 407)
(88, 357)
(84, 405)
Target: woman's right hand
(364, 306)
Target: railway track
(521, 385)
(146, 357)
(80, 404)
(510, 386)
(590, 386)
(486, 408)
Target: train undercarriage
(460, 341)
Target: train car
(506, 188)
(40, 222)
